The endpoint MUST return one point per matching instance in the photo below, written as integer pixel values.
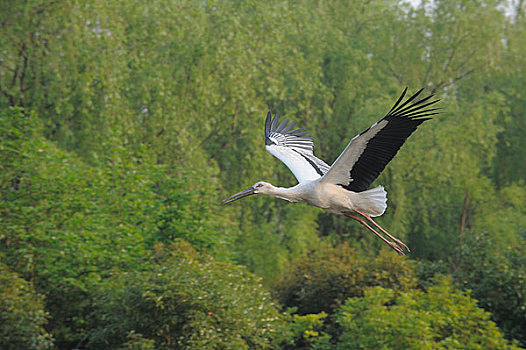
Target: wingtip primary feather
(400, 107)
(288, 127)
(282, 125)
(398, 101)
(414, 110)
(274, 122)
(267, 123)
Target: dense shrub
(187, 300)
(498, 281)
(323, 280)
(65, 222)
(22, 315)
(441, 318)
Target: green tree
(496, 278)
(152, 111)
(510, 80)
(187, 300)
(66, 223)
(441, 318)
(22, 315)
(322, 280)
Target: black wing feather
(402, 121)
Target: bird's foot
(396, 247)
(399, 242)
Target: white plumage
(343, 187)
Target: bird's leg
(384, 231)
(391, 244)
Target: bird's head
(259, 187)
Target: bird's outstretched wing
(368, 153)
(293, 148)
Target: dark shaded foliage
(22, 314)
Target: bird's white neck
(289, 194)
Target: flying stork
(343, 187)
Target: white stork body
(331, 197)
(342, 187)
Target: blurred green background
(124, 123)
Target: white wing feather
(294, 149)
(340, 170)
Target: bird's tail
(373, 201)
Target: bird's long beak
(245, 193)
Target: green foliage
(22, 315)
(503, 216)
(186, 300)
(509, 166)
(306, 331)
(441, 318)
(67, 223)
(138, 342)
(124, 123)
(324, 279)
(497, 280)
